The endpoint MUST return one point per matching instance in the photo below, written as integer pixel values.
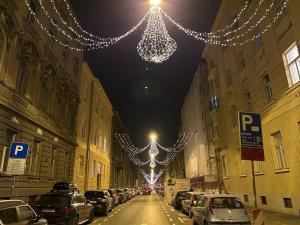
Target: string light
(156, 45)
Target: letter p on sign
(18, 148)
(246, 120)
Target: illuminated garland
(153, 151)
(156, 45)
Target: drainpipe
(88, 144)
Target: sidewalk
(276, 218)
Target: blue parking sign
(251, 136)
(18, 150)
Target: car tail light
(66, 210)
(210, 208)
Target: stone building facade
(123, 172)
(263, 77)
(199, 154)
(38, 101)
(93, 153)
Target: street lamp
(155, 3)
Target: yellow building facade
(262, 77)
(92, 157)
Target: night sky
(125, 75)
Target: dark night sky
(124, 74)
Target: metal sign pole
(254, 185)
(12, 187)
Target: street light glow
(155, 2)
(153, 136)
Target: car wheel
(92, 215)
(73, 221)
(106, 212)
(194, 221)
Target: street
(144, 210)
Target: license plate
(48, 210)
(93, 202)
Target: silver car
(190, 200)
(219, 209)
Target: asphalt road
(144, 210)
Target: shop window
(34, 167)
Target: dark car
(179, 196)
(114, 195)
(101, 201)
(65, 206)
(122, 195)
(17, 212)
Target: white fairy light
(156, 45)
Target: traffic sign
(17, 158)
(251, 137)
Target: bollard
(258, 218)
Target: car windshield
(53, 201)
(226, 202)
(94, 194)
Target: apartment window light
(291, 59)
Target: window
(288, 202)
(26, 213)
(53, 162)
(81, 166)
(93, 168)
(258, 167)
(292, 62)
(52, 30)
(9, 216)
(246, 198)
(99, 168)
(11, 136)
(279, 151)
(225, 169)
(67, 163)
(83, 129)
(263, 200)
(267, 87)
(31, 16)
(34, 167)
(258, 39)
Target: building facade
(263, 77)
(199, 154)
(123, 172)
(38, 101)
(93, 153)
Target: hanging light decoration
(156, 45)
(153, 151)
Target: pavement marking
(172, 209)
(168, 215)
(171, 220)
(180, 220)
(105, 220)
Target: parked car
(177, 199)
(101, 200)
(114, 195)
(191, 198)
(65, 205)
(17, 212)
(122, 195)
(129, 193)
(219, 209)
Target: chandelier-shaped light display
(156, 45)
(153, 151)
